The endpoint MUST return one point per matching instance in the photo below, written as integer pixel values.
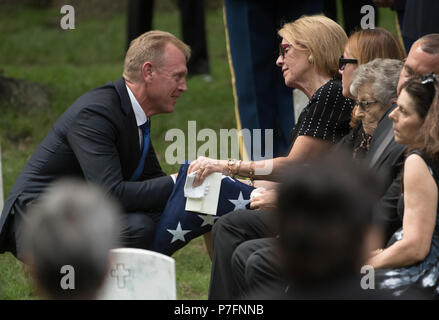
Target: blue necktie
(145, 146)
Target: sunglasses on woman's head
(342, 62)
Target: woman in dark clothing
(411, 259)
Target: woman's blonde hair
(150, 47)
(323, 37)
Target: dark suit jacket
(388, 165)
(96, 139)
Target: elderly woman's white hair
(382, 75)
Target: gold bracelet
(238, 166)
(252, 172)
(230, 163)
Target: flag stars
(178, 234)
(239, 203)
(207, 219)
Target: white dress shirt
(141, 117)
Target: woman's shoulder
(416, 160)
(330, 85)
(332, 91)
(329, 101)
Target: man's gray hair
(72, 224)
(430, 43)
(382, 75)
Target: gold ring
(202, 169)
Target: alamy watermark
(368, 280)
(368, 20)
(176, 151)
(68, 280)
(120, 273)
(68, 20)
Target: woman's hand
(265, 200)
(205, 166)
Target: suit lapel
(130, 136)
(384, 154)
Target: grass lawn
(70, 62)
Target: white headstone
(300, 102)
(137, 274)
(1, 182)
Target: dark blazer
(96, 139)
(388, 165)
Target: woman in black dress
(411, 259)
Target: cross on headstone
(121, 273)
(151, 276)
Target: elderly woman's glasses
(342, 62)
(283, 49)
(365, 104)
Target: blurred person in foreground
(327, 227)
(68, 234)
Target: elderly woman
(364, 46)
(374, 88)
(308, 59)
(412, 258)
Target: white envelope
(209, 202)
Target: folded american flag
(177, 226)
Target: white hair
(382, 75)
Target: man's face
(418, 63)
(168, 81)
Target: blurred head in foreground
(327, 223)
(67, 237)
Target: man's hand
(265, 200)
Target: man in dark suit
(103, 138)
(244, 260)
